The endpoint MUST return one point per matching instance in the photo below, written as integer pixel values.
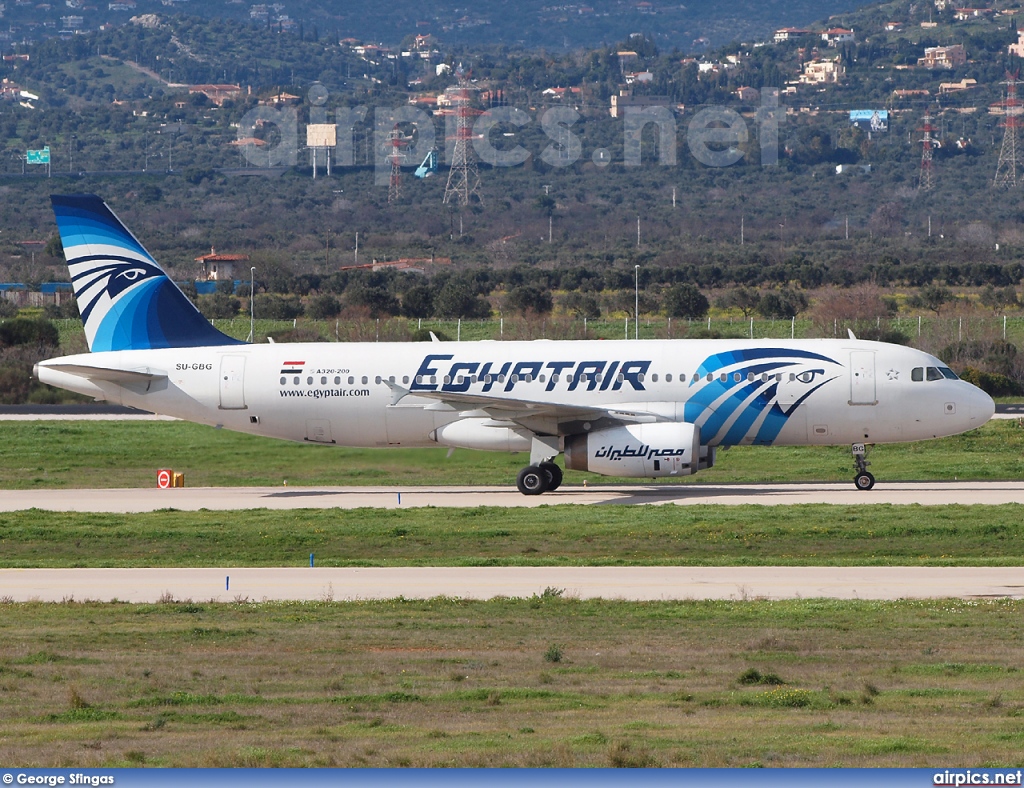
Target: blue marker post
(399, 499)
(227, 583)
(311, 560)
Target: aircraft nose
(983, 407)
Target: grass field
(40, 454)
(546, 681)
(818, 535)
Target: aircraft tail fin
(126, 300)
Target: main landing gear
(863, 480)
(537, 479)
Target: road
(631, 583)
(775, 494)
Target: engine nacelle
(483, 434)
(639, 451)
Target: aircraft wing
(541, 417)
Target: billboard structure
(870, 120)
(321, 137)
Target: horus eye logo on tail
(126, 300)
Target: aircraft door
(232, 383)
(862, 378)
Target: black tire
(532, 480)
(864, 481)
(554, 474)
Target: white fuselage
(740, 392)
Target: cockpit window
(948, 373)
(917, 374)
(934, 374)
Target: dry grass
(450, 683)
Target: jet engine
(639, 451)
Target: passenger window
(352, 380)
(488, 379)
(375, 380)
(934, 374)
(433, 379)
(668, 378)
(710, 377)
(323, 381)
(737, 377)
(283, 381)
(640, 377)
(917, 374)
(391, 379)
(792, 376)
(528, 378)
(620, 378)
(296, 381)
(654, 378)
(309, 381)
(514, 379)
(542, 378)
(723, 377)
(405, 380)
(337, 381)
(365, 380)
(447, 379)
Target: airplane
(625, 408)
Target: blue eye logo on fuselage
(735, 398)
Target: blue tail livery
(126, 300)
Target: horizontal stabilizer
(142, 375)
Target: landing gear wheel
(532, 480)
(864, 481)
(554, 476)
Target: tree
(779, 304)
(323, 306)
(529, 298)
(458, 299)
(685, 300)
(418, 301)
(582, 305)
(742, 298)
(932, 297)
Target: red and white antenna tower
(928, 143)
(396, 157)
(463, 177)
(1006, 169)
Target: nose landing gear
(863, 480)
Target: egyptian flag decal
(292, 367)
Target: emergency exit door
(232, 382)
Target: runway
(240, 498)
(628, 583)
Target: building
(790, 34)
(624, 99)
(893, 27)
(837, 36)
(1015, 49)
(963, 14)
(748, 95)
(218, 94)
(908, 93)
(220, 267)
(956, 87)
(943, 57)
(822, 72)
